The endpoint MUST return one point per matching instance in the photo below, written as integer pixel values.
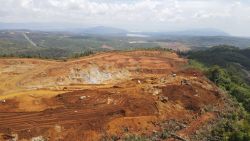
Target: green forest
(228, 67)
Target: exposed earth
(107, 96)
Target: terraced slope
(106, 96)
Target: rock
(109, 101)
(154, 131)
(153, 90)
(39, 138)
(95, 75)
(184, 82)
(164, 99)
(2, 101)
(58, 128)
(163, 80)
(139, 81)
(157, 91)
(82, 97)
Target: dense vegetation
(66, 44)
(223, 56)
(57, 45)
(209, 41)
(228, 67)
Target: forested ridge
(228, 67)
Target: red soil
(132, 105)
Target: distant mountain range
(103, 30)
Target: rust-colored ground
(103, 96)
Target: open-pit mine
(107, 96)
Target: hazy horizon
(230, 16)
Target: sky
(231, 16)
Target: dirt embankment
(105, 96)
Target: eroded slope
(106, 96)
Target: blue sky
(232, 16)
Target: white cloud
(132, 14)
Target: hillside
(228, 67)
(225, 56)
(145, 95)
